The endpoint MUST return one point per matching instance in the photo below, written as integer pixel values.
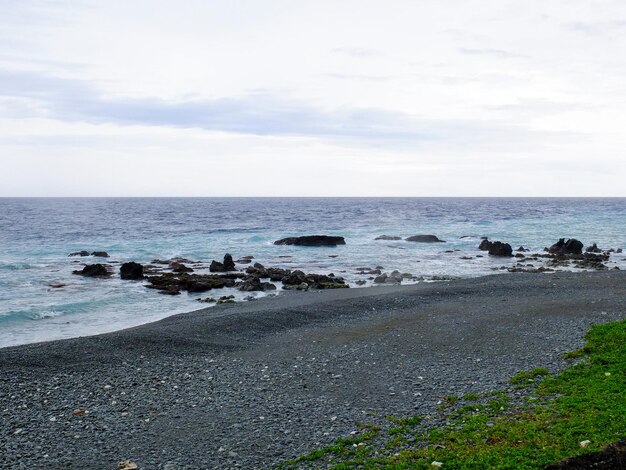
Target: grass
(585, 402)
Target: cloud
(499, 53)
(597, 28)
(360, 52)
(263, 114)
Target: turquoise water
(38, 234)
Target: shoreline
(255, 383)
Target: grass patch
(584, 402)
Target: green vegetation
(585, 402)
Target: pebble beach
(252, 384)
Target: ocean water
(36, 236)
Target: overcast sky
(312, 98)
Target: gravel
(252, 384)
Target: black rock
(100, 254)
(485, 245)
(593, 249)
(500, 249)
(79, 253)
(228, 263)
(180, 267)
(425, 239)
(312, 240)
(93, 270)
(388, 237)
(569, 247)
(131, 271)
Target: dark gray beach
(252, 384)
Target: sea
(41, 300)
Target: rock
(388, 237)
(500, 249)
(312, 240)
(100, 254)
(424, 239)
(484, 245)
(127, 465)
(56, 285)
(360, 282)
(180, 267)
(131, 271)
(254, 284)
(228, 263)
(79, 253)
(569, 247)
(521, 249)
(593, 249)
(612, 457)
(93, 270)
(619, 250)
(225, 266)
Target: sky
(303, 98)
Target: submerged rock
(131, 271)
(79, 253)
(312, 240)
(100, 254)
(425, 239)
(93, 270)
(388, 237)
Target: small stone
(127, 465)
(436, 464)
(584, 443)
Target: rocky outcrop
(254, 283)
(424, 239)
(180, 267)
(170, 283)
(388, 237)
(100, 254)
(569, 247)
(79, 253)
(131, 271)
(227, 265)
(484, 245)
(93, 270)
(312, 240)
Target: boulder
(521, 249)
(425, 239)
(100, 254)
(312, 240)
(569, 247)
(131, 271)
(93, 270)
(79, 253)
(227, 265)
(388, 237)
(500, 249)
